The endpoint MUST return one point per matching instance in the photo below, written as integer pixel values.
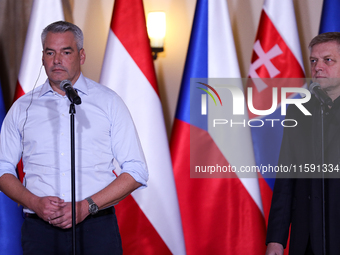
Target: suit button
(309, 197)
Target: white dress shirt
(37, 129)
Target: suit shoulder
(293, 111)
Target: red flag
(149, 220)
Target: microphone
(315, 88)
(72, 95)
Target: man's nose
(57, 59)
(319, 66)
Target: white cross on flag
(264, 58)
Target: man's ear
(82, 56)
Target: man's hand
(62, 218)
(44, 207)
(274, 249)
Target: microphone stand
(323, 181)
(73, 185)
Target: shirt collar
(46, 87)
(80, 86)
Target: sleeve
(10, 144)
(280, 212)
(281, 205)
(125, 144)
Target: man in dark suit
(297, 202)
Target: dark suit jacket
(298, 201)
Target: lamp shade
(156, 26)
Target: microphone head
(64, 83)
(314, 85)
(315, 88)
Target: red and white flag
(149, 219)
(221, 214)
(31, 70)
(277, 54)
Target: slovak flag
(276, 54)
(149, 219)
(221, 214)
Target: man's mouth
(58, 69)
(319, 77)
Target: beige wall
(93, 16)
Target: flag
(219, 215)
(32, 73)
(149, 219)
(330, 21)
(276, 54)
(10, 214)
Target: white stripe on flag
(43, 13)
(159, 200)
(279, 12)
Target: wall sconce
(156, 30)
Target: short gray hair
(62, 27)
(325, 37)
